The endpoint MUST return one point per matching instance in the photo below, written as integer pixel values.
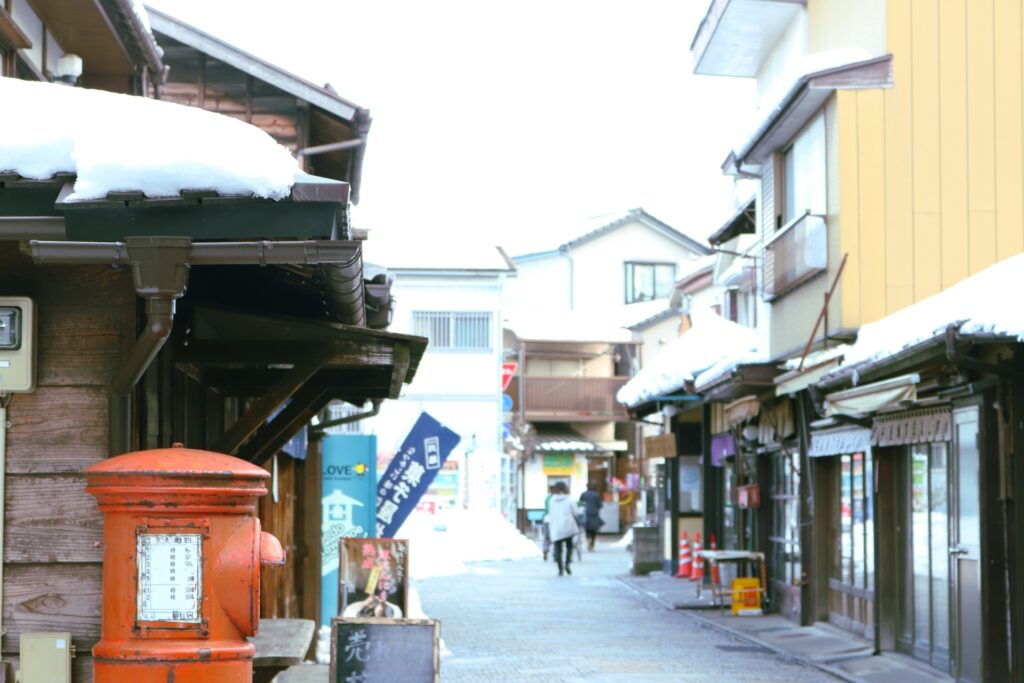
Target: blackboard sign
(385, 651)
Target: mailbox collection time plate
(170, 577)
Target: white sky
(500, 120)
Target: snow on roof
(711, 339)
(434, 255)
(974, 302)
(726, 365)
(122, 143)
(566, 326)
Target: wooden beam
(338, 353)
(271, 437)
(400, 368)
(266, 404)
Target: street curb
(739, 635)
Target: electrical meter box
(17, 344)
(45, 658)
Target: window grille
(454, 330)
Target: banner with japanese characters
(414, 466)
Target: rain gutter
(348, 419)
(160, 267)
(151, 53)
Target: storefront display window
(855, 560)
(925, 628)
(786, 537)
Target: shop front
(843, 470)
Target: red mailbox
(181, 566)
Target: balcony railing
(798, 252)
(569, 399)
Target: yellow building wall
(931, 171)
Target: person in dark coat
(592, 522)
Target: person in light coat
(562, 525)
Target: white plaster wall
(776, 73)
(461, 389)
(599, 265)
(542, 279)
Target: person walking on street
(544, 524)
(592, 522)
(562, 525)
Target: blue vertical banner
(349, 499)
(415, 465)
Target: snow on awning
(711, 339)
(973, 303)
(123, 143)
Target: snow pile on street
(711, 339)
(977, 303)
(116, 142)
(442, 544)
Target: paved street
(519, 621)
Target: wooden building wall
(197, 80)
(53, 542)
(927, 194)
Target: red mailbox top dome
(179, 461)
(179, 479)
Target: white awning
(919, 426)
(870, 398)
(839, 440)
(794, 381)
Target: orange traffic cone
(698, 562)
(685, 564)
(715, 576)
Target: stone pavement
(830, 649)
(519, 621)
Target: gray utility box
(646, 550)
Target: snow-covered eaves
(120, 143)
(743, 221)
(642, 314)
(817, 77)
(977, 305)
(710, 340)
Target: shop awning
(797, 380)
(564, 440)
(839, 440)
(742, 411)
(870, 398)
(918, 426)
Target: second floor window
(647, 281)
(454, 330)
